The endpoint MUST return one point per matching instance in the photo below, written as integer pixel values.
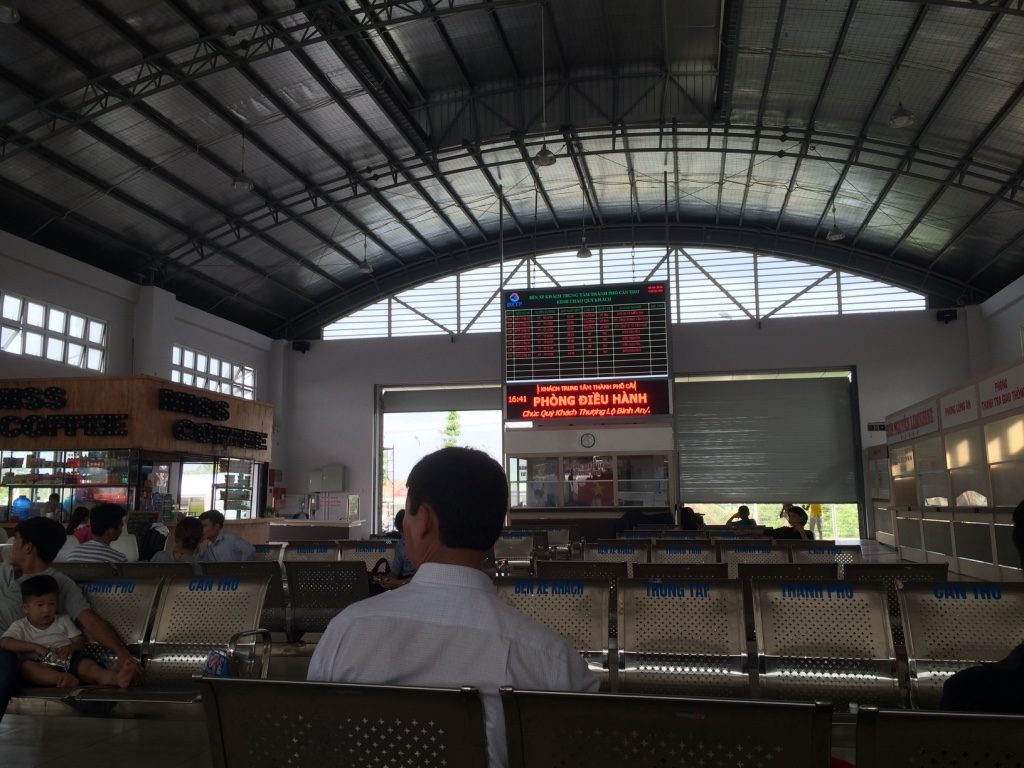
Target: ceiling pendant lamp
(835, 234)
(544, 158)
(584, 252)
(241, 180)
(364, 266)
(901, 117)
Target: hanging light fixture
(365, 267)
(584, 252)
(835, 234)
(545, 157)
(9, 12)
(901, 117)
(241, 180)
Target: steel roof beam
(473, 151)
(958, 76)
(538, 184)
(837, 50)
(394, 50)
(998, 7)
(908, 40)
(993, 125)
(105, 188)
(200, 94)
(268, 93)
(62, 213)
(761, 103)
(349, 52)
(586, 182)
(186, 190)
(201, 57)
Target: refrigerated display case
(77, 477)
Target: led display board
(591, 352)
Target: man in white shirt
(448, 628)
(106, 523)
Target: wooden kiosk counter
(96, 439)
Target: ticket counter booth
(956, 463)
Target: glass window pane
(76, 355)
(201, 381)
(76, 326)
(176, 376)
(11, 340)
(214, 366)
(236, 391)
(225, 388)
(55, 350)
(12, 308)
(175, 355)
(188, 378)
(36, 314)
(97, 332)
(225, 370)
(212, 385)
(34, 344)
(201, 362)
(249, 378)
(58, 318)
(189, 359)
(95, 359)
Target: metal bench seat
(312, 551)
(617, 551)
(271, 724)
(825, 641)
(594, 729)
(824, 552)
(318, 591)
(891, 575)
(897, 738)
(367, 552)
(274, 616)
(750, 550)
(577, 609)
(684, 551)
(680, 571)
(952, 626)
(683, 638)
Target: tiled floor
(85, 742)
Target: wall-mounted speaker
(305, 346)
(945, 315)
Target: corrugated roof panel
(794, 88)
(758, 25)
(751, 67)
(423, 48)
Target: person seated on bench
(797, 518)
(218, 545)
(741, 518)
(49, 645)
(448, 627)
(106, 523)
(79, 525)
(184, 545)
(998, 687)
(402, 569)
(690, 520)
(36, 543)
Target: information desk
(592, 524)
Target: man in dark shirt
(797, 518)
(741, 518)
(997, 687)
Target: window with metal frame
(205, 371)
(705, 285)
(38, 329)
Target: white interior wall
(1004, 316)
(900, 358)
(143, 322)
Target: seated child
(43, 634)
